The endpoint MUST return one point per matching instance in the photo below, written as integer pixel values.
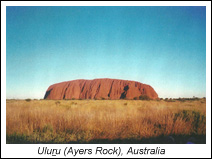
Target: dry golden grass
(80, 121)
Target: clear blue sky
(164, 47)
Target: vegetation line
(105, 121)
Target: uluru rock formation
(100, 89)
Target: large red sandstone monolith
(100, 89)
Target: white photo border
(175, 150)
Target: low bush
(28, 99)
(144, 97)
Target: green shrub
(48, 128)
(28, 99)
(144, 97)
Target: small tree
(28, 99)
(144, 97)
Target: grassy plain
(105, 121)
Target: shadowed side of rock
(100, 89)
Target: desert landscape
(137, 120)
(106, 121)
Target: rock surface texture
(100, 89)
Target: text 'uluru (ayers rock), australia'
(100, 89)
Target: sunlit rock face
(100, 89)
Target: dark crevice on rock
(64, 96)
(83, 87)
(123, 95)
(97, 91)
(110, 89)
(47, 93)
